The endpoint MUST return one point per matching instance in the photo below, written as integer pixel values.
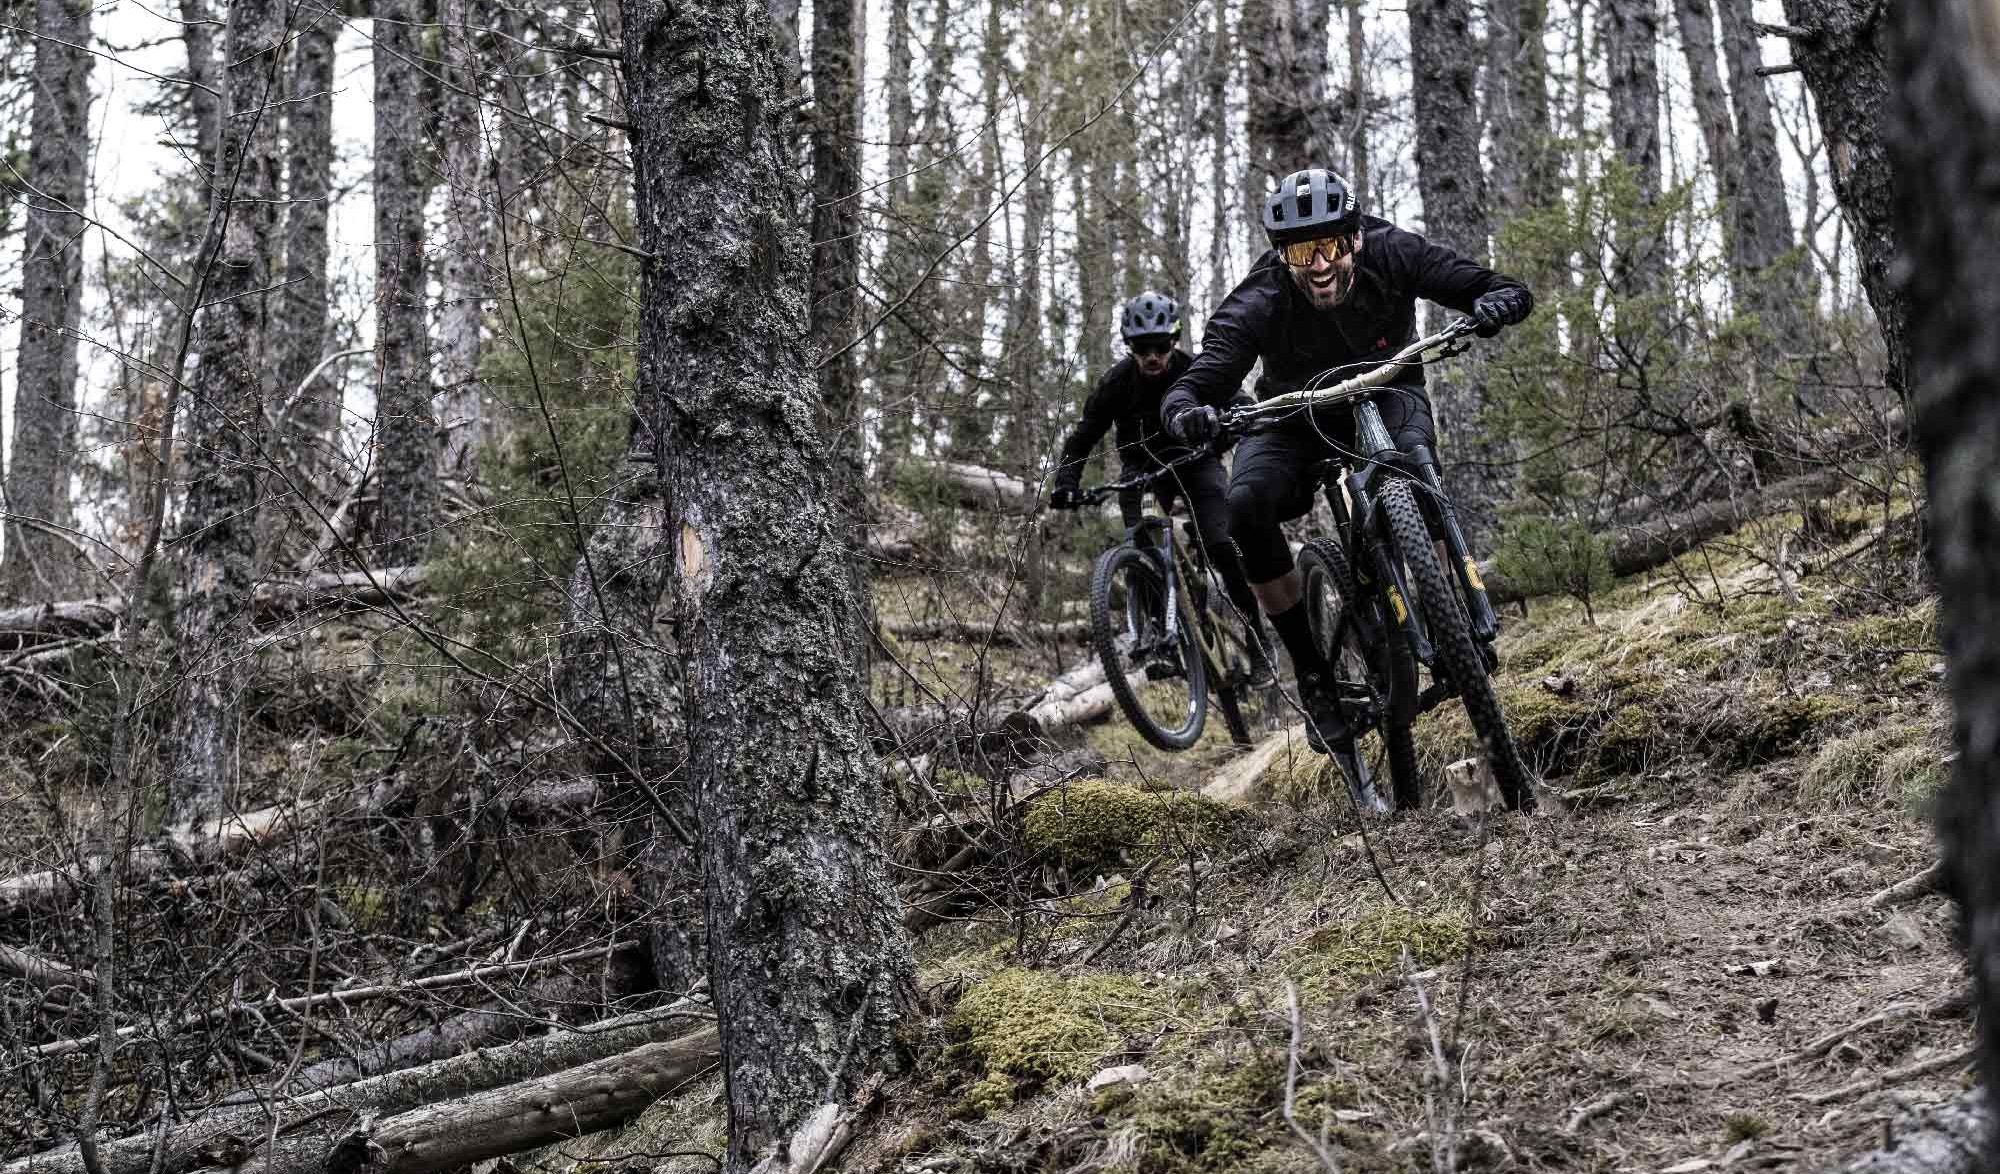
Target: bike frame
(1379, 456)
(1177, 566)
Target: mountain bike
(1383, 605)
(1155, 620)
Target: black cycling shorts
(1205, 487)
(1270, 483)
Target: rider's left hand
(1497, 308)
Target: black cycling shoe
(1326, 725)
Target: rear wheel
(1458, 658)
(1375, 686)
(1157, 677)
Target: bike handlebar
(1097, 493)
(1238, 420)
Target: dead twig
(1909, 888)
(1820, 1046)
(1317, 1145)
(1943, 1063)
(1590, 1110)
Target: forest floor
(1676, 967)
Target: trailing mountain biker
(1128, 397)
(1337, 289)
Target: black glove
(1066, 497)
(1242, 399)
(1195, 425)
(1500, 307)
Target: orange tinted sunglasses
(1333, 248)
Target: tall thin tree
(1631, 32)
(1287, 116)
(462, 269)
(810, 970)
(37, 559)
(224, 430)
(1451, 180)
(302, 312)
(1763, 219)
(405, 427)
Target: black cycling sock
(1295, 629)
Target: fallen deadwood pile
(603, 1074)
(1010, 633)
(1946, 1139)
(23, 628)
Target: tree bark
(33, 561)
(205, 95)
(899, 348)
(218, 544)
(1944, 117)
(1763, 217)
(1284, 46)
(1631, 30)
(1841, 58)
(398, 1092)
(1452, 182)
(1526, 171)
(1712, 112)
(462, 418)
(809, 965)
(302, 309)
(405, 428)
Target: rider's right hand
(1197, 425)
(1066, 497)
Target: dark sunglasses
(1151, 346)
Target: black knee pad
(1253, 522)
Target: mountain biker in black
(1337, 290)
(1128, 397)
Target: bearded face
(1323, 269)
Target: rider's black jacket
(1266, 316)
(1129, 400)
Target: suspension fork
(1485, 625)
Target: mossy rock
(1020, 1030)
(1374, 941)
(1775, 726)
(1094, 823)
(1221, 1119)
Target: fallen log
(564, 1105)
(1011, 633)
(46, 973)
(340, 998)
(1078, 696)
(398, 1092)
(975, 485)
(1641, 548)
(45, 623)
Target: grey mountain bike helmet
(1150, 314)
(1309, 204)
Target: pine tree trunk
(1358, 68)
(1526, 172)
(1711, 108)
(204, 101)
(900, 267)
(1763, 222)
(405, 428)
(218, 543)
(35, 562)
(837, 69)
(1451, 181)
(1945, 112)
(300, 329)
(463, 270)
(1216, 107)
(1284, 46)
(810, 970)
(1631, 31)
(1842, 60)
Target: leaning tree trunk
(34, 560)
(1840, 55)
(1696, 22)
(405, 433)
(810, 971)
(1452, 183)
(1763, 217)
(218, 543)
(1284, 46)
(1631, 31)
(463, 276)
(1946, 112)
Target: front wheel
(1374, 687)
(1157, 675)
(1458, 655)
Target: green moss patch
(1374, 941)
(1095, 824)
(1220, 1119)
(1901, 764)
(1020, 1030)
